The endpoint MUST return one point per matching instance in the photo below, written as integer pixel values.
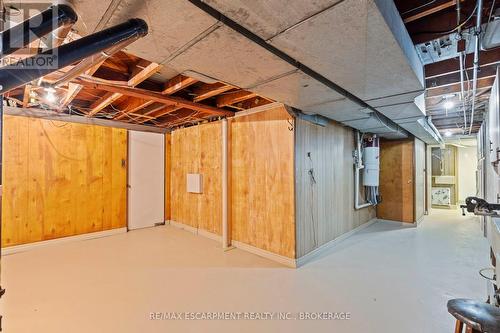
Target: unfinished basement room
(250, 166)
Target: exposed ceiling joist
(483, 83)
(154, 96)
(430, 11)
(172, 86)
(74, 89)
(233, 97)
(210, 90)
(451, 78)
(486, 58)
(137, 77)
(177, 83)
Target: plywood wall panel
(262, 181)
(75, 182)
(324, 185)
(21, 228)
(196, 149)
(119, 177)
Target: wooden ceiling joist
(154, 96)
(74, 89)
(483, 83)
(137, 77)
(233, 97)
(210, 90)
(172, 86)
(449, 66)
(430, 11)
(177, 83)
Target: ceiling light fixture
(448, 134)
(51, 96)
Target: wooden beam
(233, 97)
(173, 85)
(451, 78)
(210, 90)
(486, 82)
(445, 67)
(253, 103)
(137, 77)
(177, 83)
(430, 11)
(74, 89)
(26, 95)
(154, 96)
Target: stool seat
(481, 317)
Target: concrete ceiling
(361, 45)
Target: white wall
(467, 166)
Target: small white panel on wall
(194, 183)
(441, 196)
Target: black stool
(478, 317)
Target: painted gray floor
(390, 279)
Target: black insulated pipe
(29, 69)
(37, 26)
(300, 66)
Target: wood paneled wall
(261, 195)
(262, 181)
(325, 199)
(397, 181)
(61, 179)
(196, 149)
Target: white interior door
(145, 179)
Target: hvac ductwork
(32, 68)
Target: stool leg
(459, 326)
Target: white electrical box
(194, 183)
(371, 160)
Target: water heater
(371, 162)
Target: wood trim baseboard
(31, 246)
(196, 231)
(289, 262)
(323, 248)
(400, 223)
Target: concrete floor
(390, 279)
